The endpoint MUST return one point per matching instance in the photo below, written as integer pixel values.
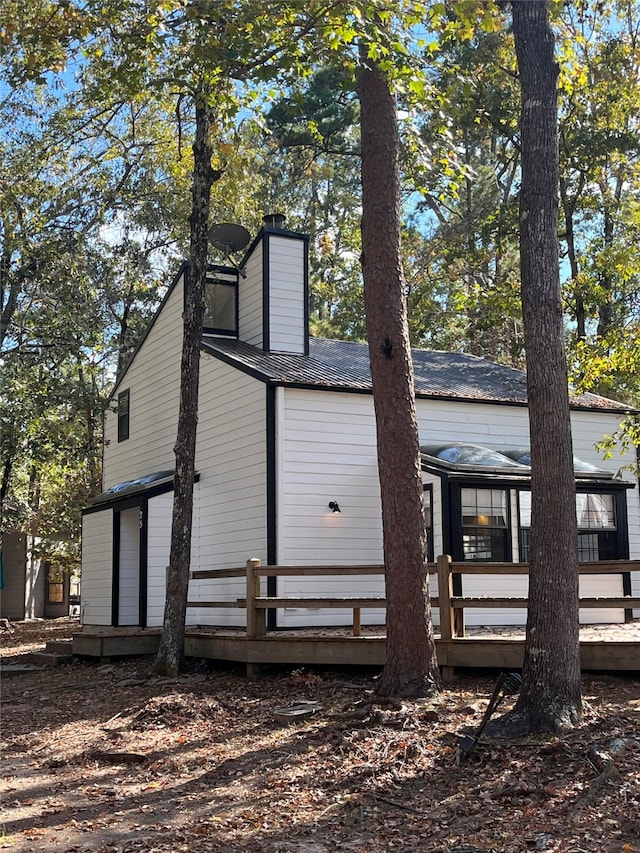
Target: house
(33, 586)
(286, 459)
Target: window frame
(458, 528)
(611, 539)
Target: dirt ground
(110, 758)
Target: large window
(597, 529)
(485, 525)
(123, 415)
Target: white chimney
(273, 297)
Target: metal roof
(344, 365)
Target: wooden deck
(602, 647)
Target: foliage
(95, 162)
(311, 171)
(84, 249)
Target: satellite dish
(228, 237)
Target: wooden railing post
(256, 619)
(356, 622)
(445, 591)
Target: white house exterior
(286, 427)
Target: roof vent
(274, 220)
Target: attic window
(221, 308)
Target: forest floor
(111, 759)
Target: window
(123, 415)
(55, 585)
(221, 308)
(485, 524)
(597, 535)
(597, 529)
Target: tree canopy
(97, 119)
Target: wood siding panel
(327, 451)
(286, 294)
(153, 380)
(97, 562)
(160, 510)
(487, 424)
(250, 299)
(232, 492)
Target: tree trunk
(550, 699)
(171, 651)
(411, 668)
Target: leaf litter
(111, 759)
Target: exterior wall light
(334, 506)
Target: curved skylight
(474, 455)
(130, 487)
(523, 456)
(465, 455)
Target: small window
(123, 415)
(221, 308)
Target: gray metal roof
(338, 365)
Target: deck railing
(451, 606)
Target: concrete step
(47, 659)
(9, 669)
(59, 647)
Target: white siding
(250, 299)
(231, 493)
(287, 331)
(326, 451)
(129, 575)
(97, 539)
(159, 515)
(153, 380)
(490, 425)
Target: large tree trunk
(550, 697)
(411, 668)
(171, 651)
